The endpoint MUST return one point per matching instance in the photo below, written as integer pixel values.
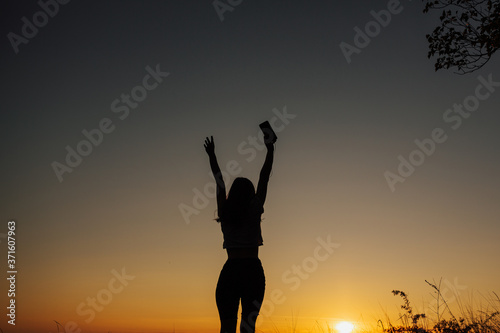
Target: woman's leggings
(240, 279)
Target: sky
(382, 178)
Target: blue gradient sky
(120, 207)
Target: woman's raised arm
(265, 173)
(219, 180)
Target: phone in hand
(269, 135)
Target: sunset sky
(124, 238)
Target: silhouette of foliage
(486, 322)
(468, 36)
(407, 317)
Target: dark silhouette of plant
(58, 324)
(452, 326)
(468, 36)
(484, 322)
(439, 299)
(466, 326)
(407, 317)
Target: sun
(344, 327)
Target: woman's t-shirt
(246, 230)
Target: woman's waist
(243, 252)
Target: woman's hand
(209, 146)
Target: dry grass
(485, 319)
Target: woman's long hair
(238, 200)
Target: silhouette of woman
(242, 276)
